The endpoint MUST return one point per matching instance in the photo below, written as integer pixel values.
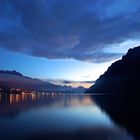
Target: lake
(56, 116)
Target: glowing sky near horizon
(51, 69)
(73, 40)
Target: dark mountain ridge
(121, 82)
(10, 72)
(122, 76)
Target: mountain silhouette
(14, 72)
(123, 76)
(121, 83)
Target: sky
(73, 40)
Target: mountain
(14, 79)
(121, 82)
(121, 77)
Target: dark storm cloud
(64, 29)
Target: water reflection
(18, 98)
(53, 116)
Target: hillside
(121, 82)
(13, 79)
(121, 77)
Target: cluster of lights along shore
(22, 91)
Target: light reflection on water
(22, 115)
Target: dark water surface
(45, 116)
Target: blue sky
(51, 69)
(66, 39)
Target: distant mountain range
(14, 79)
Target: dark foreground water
(62, 117)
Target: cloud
(85, 84)
(70, 82)
(68, 29)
